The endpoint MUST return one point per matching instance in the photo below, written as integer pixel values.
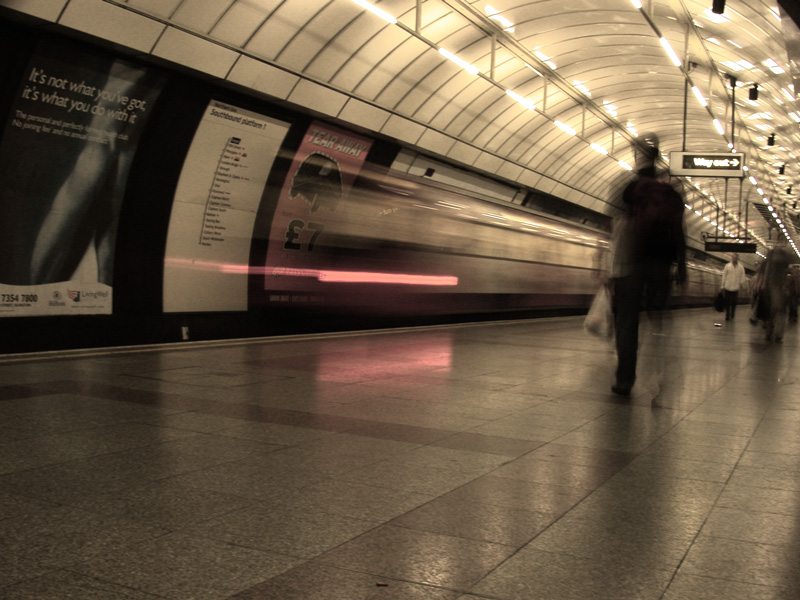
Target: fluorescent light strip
(670, 52)
(526, 103)
(471, 69)
(376, 11)
(565, 128)
(599, 148)
(699, 95)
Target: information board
(211, 227)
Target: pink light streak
(326, 276)
(367, 277)
(402, 278)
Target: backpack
(656, 219)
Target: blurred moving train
(404, 246)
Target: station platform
(474, 461)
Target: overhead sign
(730, 247)
(706, 164)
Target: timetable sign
(706, 164)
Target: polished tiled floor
(480, 461)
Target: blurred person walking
(732, 279)
(775, 281)
(647, 241)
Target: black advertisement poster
(65, 154)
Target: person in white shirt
(732, 279)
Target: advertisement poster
(321, 175)
(65, 154)
(216, 202)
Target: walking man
(732, 280)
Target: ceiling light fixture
(599, 148)
(471, 69)
(670, 52)
(699, 95)
(524, 102)
(565, 128)
(494, 14)
(376, 11)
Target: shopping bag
(719, 301)
(600, 320)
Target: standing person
(732, 280)
(775, 285)
(647, 241)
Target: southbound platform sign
(706, 164)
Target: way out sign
(706, 164)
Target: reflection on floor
(481, 461)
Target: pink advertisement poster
(322, 173)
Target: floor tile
(536, 575)
(419, 557)
(167, 504)
(290, 531)
(65, 584)
(710, 588)
(179, 566)
(744, 562)
(451, 516)
(753, 526)
(345, 498)
(487, 443)
(315, 581)
(60, 536)
(768, 500)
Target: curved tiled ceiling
(596, 68)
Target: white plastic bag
(600, 320)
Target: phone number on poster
(19, 298)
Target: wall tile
(191, 51)
(112, 23)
